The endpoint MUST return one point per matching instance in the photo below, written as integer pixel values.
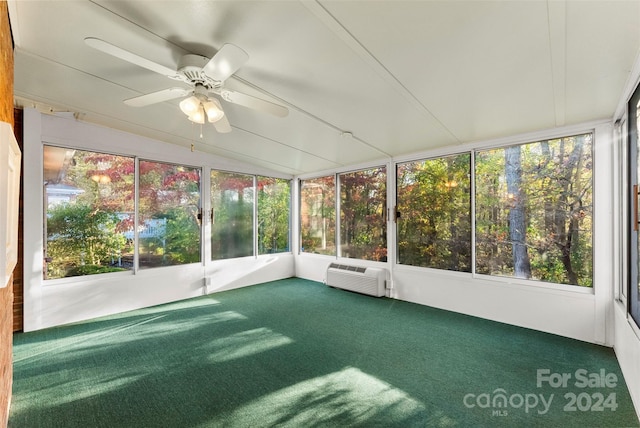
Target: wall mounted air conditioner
(363, 280)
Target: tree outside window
(274, 200)
(232, 218)
(318, 215)
(534, 205)
(363, 208)
(169, 224)
(434, 213)
(89, 204)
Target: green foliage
(274, 200)
(182, 236)
(176, 240)
(556, 196)
(318, 215)
(92, 269)
(363, 207)
(170, 192)
(543, 206)
(232, 223)
(79, 234)
(548, 183)
(434, 224)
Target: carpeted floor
(297, 353)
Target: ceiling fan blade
(222, 125)
(226, 62)
(157, 97)
(113, 50)
(254, 103)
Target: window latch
(396, 214)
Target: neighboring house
(57, 194)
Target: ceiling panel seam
(103, 7)
(309, 115)
(67, 66)
(557, 24)
(285, 145)
(333, 24)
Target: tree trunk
(565, 207)
(548, 200)
(517, 223)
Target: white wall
(575, 312)
(61, 301)
(627, 347)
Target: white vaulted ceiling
(401, 76)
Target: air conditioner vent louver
(348, 267)
(363, 280)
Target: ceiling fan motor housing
(201, 92)
(190, 66)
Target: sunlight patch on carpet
(116, 336)
(170, 307)
(348, 396)
(183, 325)
(75, 390)
(62, 345)
(244, 344)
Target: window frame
(586, 128)
(395, 217)
(568, 134)
(254, 211)
(390, 196)
(80, 278)
(137, 268)
(620, 223)
(204, 206)
(385, 210)
(335, 211)
(632, 237)
(257, 215)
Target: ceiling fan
(206, 76)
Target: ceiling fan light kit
(206, 77)
(199, 105)
(197, 116)
(213, 110)
(189, 105)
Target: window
(274, 200)
(433, 213)
(89, 212)
(633, 265)
(621, 152)
(232, 218)
(318, 215)
(169, 210)
(363, 208)
(534, 211)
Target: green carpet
(297, 353)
